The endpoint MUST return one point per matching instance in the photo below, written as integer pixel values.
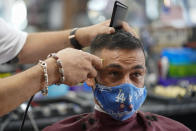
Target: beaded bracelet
(60, 68)
(43, 64)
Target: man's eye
(114, 73)
(136, 75)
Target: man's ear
(90, 82)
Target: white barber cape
(11, 42)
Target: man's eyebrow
(138, 67)
(120, 67)
(114, 66)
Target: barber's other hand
(86, 34)
(129, 29)
(78, 65)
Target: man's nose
(126, 79)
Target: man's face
(121, 66)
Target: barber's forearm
(16, 89)
(39, 45)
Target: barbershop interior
(167, 30)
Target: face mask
(121, 101)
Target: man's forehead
(122, 57)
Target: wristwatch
(73, 40)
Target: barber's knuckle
(108, 31)
(124, 23)
(86, 68)
(94, 73)
(86, 56)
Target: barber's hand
(85, 35)
(78, 65)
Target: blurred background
(167, 29)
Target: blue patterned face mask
(121, 101)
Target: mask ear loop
(95, 86)
(96, 81)
(96, 101)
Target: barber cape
(100, 121)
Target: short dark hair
(118, 40)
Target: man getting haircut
(119, 90)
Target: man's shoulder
(161, 123)
(142, 121)
(70, 123)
